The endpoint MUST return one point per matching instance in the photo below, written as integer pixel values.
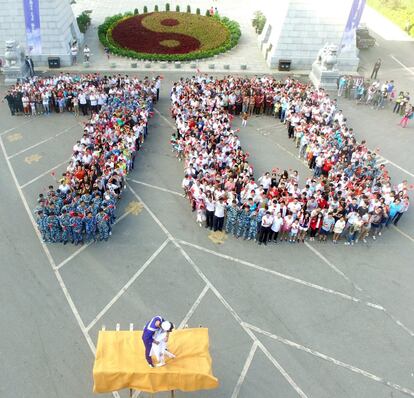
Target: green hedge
(110, 22)
(398, 11)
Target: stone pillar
(298, 29)
(57, 23)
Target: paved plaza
(306, 320)
(312, 320)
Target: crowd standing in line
(82, 208)
(348, 197)
(377, 95)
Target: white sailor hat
(166, 326)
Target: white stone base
(326, 79)
(14, 74)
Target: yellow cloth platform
(120, 363)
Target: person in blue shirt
(395, 208)
(148, 336)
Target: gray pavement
(312, 320)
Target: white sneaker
(347, 243)
(379, 233)
(364, 240)
(158, 365)
(374, 237)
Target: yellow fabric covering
(120, 363)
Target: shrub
(233, 34)
(259, 21)
(198, 11)
(167, 6)
(83, 20)
(145, 9)
(156, 8)
(136, 12)
(189, 9)
(177, 8)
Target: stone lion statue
(328, 56)
(14, 54)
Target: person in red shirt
(80, 173)
(326, 168)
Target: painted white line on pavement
(409, 70)
(51, 261)
(332, 266)
(14, 128)
(377, 306)
(274, 125)
(331, 360)
(156, 187)
(169, 122)
(221, 298)
(85, 246)
(403, 233)
(284, 276)
(43, 141)
(193, 307)
(244, 371)
(127, 285)
(43, 174)
(400, 168)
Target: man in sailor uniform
(148, 336)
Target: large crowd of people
(349, 196)
(378, 95)
(81, 209)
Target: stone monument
(44, 28)
(296, 30)
(14, 67)
(324, 72)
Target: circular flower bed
(168, 36)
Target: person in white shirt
(209, 204)
(276, 225)
(83, 103)
(265, 180)
(218, 219)
(267, 221)
(338, 229)
(86, 53)
(74, 53)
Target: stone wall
(58, 27)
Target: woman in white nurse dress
(160, 341)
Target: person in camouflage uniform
(102, 222)
(253, 226)
(243, 223)
(96, 203)
(54, 227)
(232, 212)
(41, 222)
(77, 228)
(90, 227)
(65, 226)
